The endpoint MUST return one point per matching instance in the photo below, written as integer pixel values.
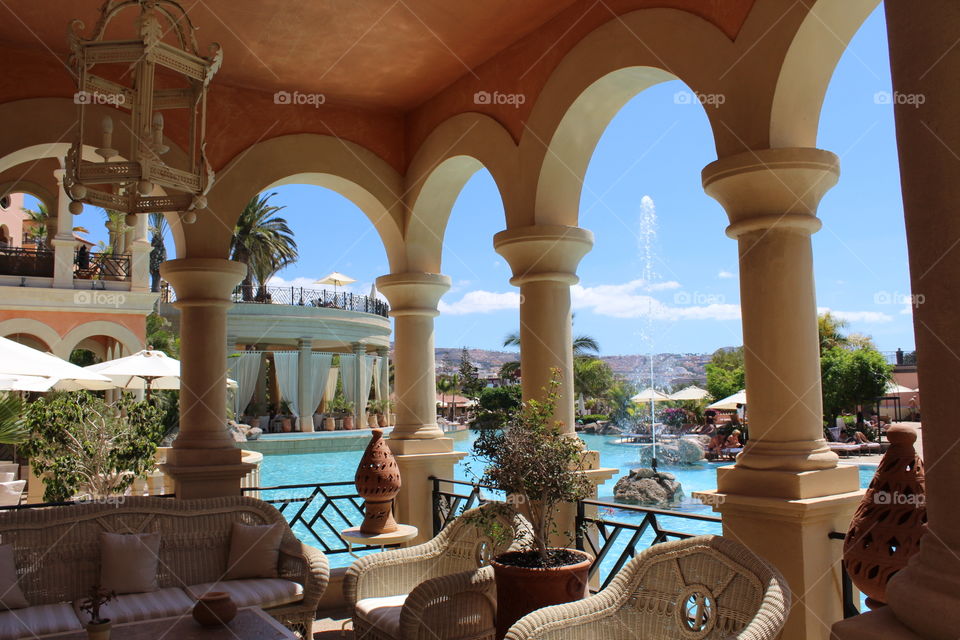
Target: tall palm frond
(13, 428)
(263, 241)
(158, 252)
(39, 218)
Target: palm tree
(158, 254)
(13, 429)
(448, 385)
(38, 218)
(263, 242)
(584, 346)
(829, 328)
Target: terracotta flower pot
(329, 424)
(521, 590)
(214, 609)
(887, 526)
(378, 483)
(285, 424)
(99, 631)
(381, 421)
(348, 423)
(372, 421)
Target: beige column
(416, 441)
(544, 262)
(360, 408)
(924, 598)
(786, 492)
(64, 244)
(203, 461)
(305, 419)
(139, 247)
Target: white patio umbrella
(692, 392)
(373, 291)
(730, 402)
(26, 383)
(146, 369)
(893, 388)
(650, 395)
(337, 279)
(18, 360)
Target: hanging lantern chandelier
(139, 78)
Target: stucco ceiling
(390, 54)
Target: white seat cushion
(382, 613)
(10, 492)
(133, 607)
(38, 620)
(262, 592)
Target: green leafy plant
(84, 446)
(13, 429)
(537, 466)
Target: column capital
(543, 252)
(203, 281)
(383, 351)
(413, 293)
(772, 188)
(359, 348)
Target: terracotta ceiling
(386, 54)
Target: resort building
(395, 106)
(54, 301)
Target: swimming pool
(339, 466)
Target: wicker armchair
(440, 589)
(700, 588)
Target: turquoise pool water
(339, 466)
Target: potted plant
(382, 412)
(98, 628)
(372, 415)
(539, 468)
(347, 408)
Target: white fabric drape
(287, 364)
(319, 372)
(245, 369)
(377, 370)
(366, 375)
(331, 389)
(348, 371)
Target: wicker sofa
(57, 553)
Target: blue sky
(649, 160)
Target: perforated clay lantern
(378, 482)
(891, 518)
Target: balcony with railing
(297, 297)
(39, 263)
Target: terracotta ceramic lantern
(378, 482)
(891, 518)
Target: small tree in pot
(539, 468)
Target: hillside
(669, 368)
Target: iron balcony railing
(17, 261)
(105, 266)
(299, 297)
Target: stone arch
(5, 238)
(591, 84)
(448, 158)
(809, 64)
(29, 187)
(130, 341)
(44, 333)
(326, 161)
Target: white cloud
(725, 275)
(481, 302)
(869, 317)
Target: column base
(792, 534)
(206, 473)
(734, 479)
(417, 432)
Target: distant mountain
(668, 368)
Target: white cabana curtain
(377, 370)
(287, 363)
(348, 369)
(319, 372)
(366, 376)
(331, 389)
(245, 369)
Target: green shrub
(594, 417)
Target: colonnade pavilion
(396, 104)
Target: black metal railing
(448, 503)
(17, 261)
(298, 297)
(317, 512)
(104, 266)
(600, 535)
(850, 607)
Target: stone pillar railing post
(304, 392)
(419, 445)
(64, 244)
(786, 492)
(140, 248)
(203, 461)
(360, 408)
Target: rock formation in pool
(685, 450)
(648, 487)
